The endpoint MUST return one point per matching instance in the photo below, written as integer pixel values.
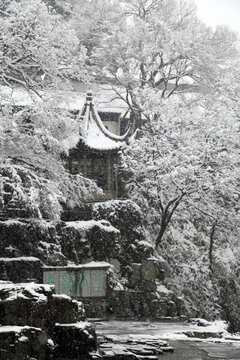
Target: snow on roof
(94, 133)
(71, 266)
(94, 138)
(94, 264)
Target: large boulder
(125, 215)
(36, 323)
(21, 269)
(35, 305)
(21, 343)
(83, 241)
(74, 340)
(37, 238)
(145, 304)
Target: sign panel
(78, 282)
(98, 283)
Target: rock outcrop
(37, 323)
(24, 342)
(84, 241)
(75, 339)
(21, 269)
(110, 231)
(112, 348)
(35, 305)
(27, 237)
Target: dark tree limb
(210, 252)
(166, 216)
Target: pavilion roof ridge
(94, 133)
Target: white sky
(216, 12)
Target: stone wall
(144, 305)
(23, 269)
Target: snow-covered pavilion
(96, 154)
(94, 150)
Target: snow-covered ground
(220, 344)
(167, 330)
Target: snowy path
(185, 348)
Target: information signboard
(77, 282)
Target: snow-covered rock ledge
(37, 323)
(21, 269)
(35, 305)
(24, 342)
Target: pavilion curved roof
(93, 132)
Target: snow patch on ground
(50, 342)
(119, 331)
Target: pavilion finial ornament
(89, 96)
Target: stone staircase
(10, 210)
(3, 214)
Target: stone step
(3, 214)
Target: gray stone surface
(141, 304)
(112, 348)
(35, 305)
(21, 343)
(28, 237)
(25, 307)
(148, 271)
(203, 334)
(23, 269)
(74, 340)
(90, 241)
(115, 235)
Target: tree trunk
(136, 117)
(210, 252)
(166, 217)
(163, 227)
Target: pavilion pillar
(116, 179)
(70, 164)
(109, 174)
(85, 165)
